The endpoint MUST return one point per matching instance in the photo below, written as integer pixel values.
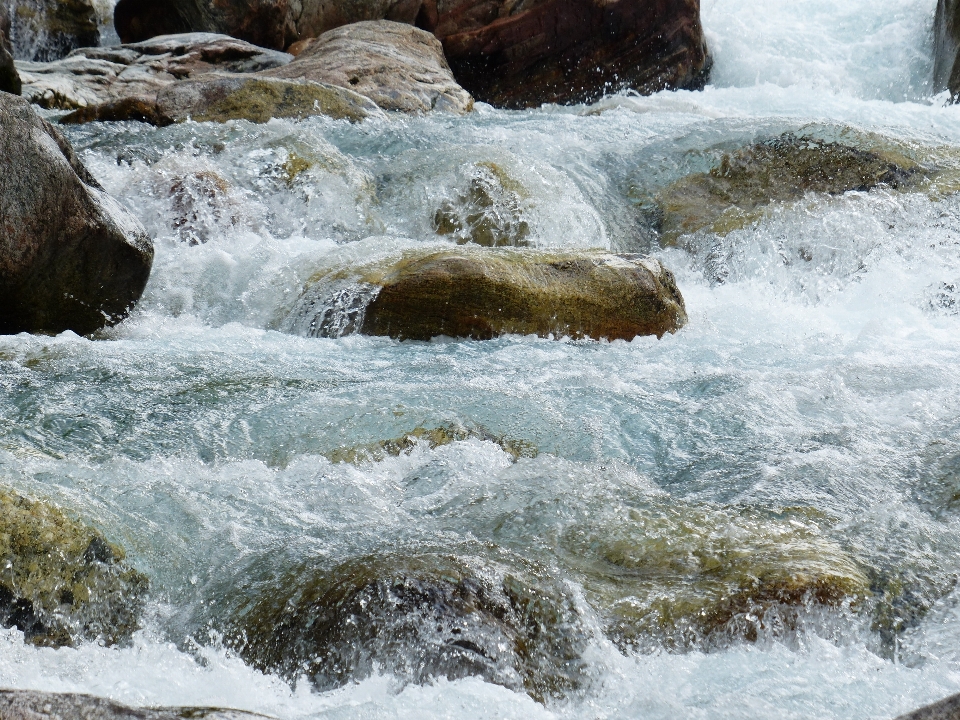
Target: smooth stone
(71, 257)
(47, 30)
(63, 581)
(9, 79)
(35, 705)
(398, 66)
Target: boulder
(946, 34)
(71, 258)
(417, 616)
(523, 54)
(483, 293)
(219, 98)
(734, 193)
(98, 75)
(62, 581)
(398, 66)
(49, 29)
(9, 79)
(35, 705)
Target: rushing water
(811, 402)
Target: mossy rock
(678, 574)
(62, 581)
(488, 212)
(734, 193)
(431, 438)
(416, 616)
(483, 293)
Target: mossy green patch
(260, 100)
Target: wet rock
(137, 72)
(677, 575)
(947, 709)
(734, 193)
(415, 616)
(34, 705)
(946, 32)
(431, 438)
(269, 23)
(71, 258)
(49, 29)
(398, 66)
(9, 79)
(63, 581)
(481, 294)
(489, 212)
(522, 54)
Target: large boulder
(36, 705)
(49, 29)
(62, 581)
(398, 66)
(9, 79)
(71, 258)
(97, 75)
(483, 293)
(566, 51)
(946, 33)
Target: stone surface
(219, 98)
(489, 211)
(9, 80)
(948, 709)
(946, 33)
(568, 51)
(62, 581)
(483, 293)
(34, 705)
(734, 193)
(45, 30)
(97, 75)
(71, 258)
(417, 616)
(398, 66)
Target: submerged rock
(98, 75)
(946, 33)
(49, 29)
(398, 66)
(9, 79)
(734, 193)
(35, 705)
(415, 616)
(481, 294)
(63, 581)
(431, 438)
(71, 258)
(522, 54)
(489, 212)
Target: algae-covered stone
(734, 193)
(482, 293)
(62, 581)
(489, 212)
(676, 573)
(416, 616)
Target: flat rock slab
(31, 705)
(97, 75)
(398, 66)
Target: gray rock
(92, 76)
(49, 29)
(9, 80)
(33, 705)
(946, 69)
(398, 66)
(71, 258)
(948, 709)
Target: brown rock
(71, 258)
(49, 29)
(568, 51)
(9, 80)
(398, 66)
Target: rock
(63, 581)
(481, 294)
(416, 616)
(946, 32)
(398, 66)
(734, 193)
(488, 212)
(35, 705)
(46, 30)
(269, 23)
(948, 709)
(9, 79)
(71, 258)
(219, 98)
(99, 75)
(524, 54)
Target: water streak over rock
(49, 29)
